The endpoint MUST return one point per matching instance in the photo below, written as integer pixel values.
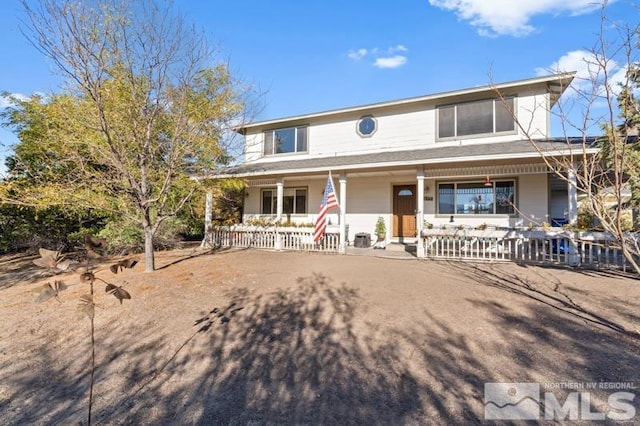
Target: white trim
(498, 170)
(408, 163)
(280, 199)
(342, 179)
(256, 183)
(420, 175)
(572, 194)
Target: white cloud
(511, 17)
(582, 62)
(590, 71)
(6, 102)
(390, 61)
(391, 57)
(356, 55)
(398, 48)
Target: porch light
(487, 182)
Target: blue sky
(313, 56)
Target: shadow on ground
(552, 293)
(303, 356)
(290, 356)
(19, 268)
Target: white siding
(368, 199)
(253, 147)
(533, 199)
(533, 114)
(402, 127)
(399, 131)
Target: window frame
(359, 123)
(296, 141)
(456, 135)
(455, 184)
(274, 200)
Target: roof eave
(408, 163)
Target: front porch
(408, 200)
(454, 190)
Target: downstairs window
(294, 201)
(496, 197)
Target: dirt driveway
(255, 337)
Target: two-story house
(456, 158)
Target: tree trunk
(149, 258)
(628, 255)
(207, 241)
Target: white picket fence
(551, 246)
(275, 238)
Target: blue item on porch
(562, 247)
(559, 221)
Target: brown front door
(404, 211)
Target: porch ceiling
(391, 160)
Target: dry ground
(254, 337)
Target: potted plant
(381, 229)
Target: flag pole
(329, 202)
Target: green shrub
(128, 236)
(626, 221)
(123, 236)
(586, 219)
(53, 227)
(171, 232)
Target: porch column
(420, 214)
(343, 212)
(280, 197)
(207, 241)
(572, 190)
(279, 203)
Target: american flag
(329, 201)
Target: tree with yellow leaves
(145, 109)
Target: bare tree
(599, 154)
(146, 106)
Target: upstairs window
(484, 117)
(367, 126)
(285, 141)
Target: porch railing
(553, 246)
(275, 238)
